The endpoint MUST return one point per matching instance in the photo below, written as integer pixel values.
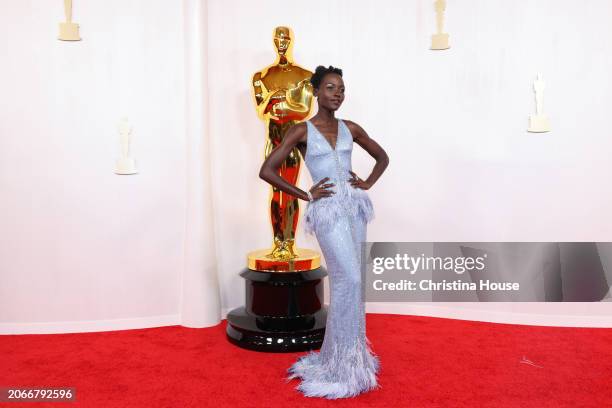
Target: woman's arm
(374, 149)
(270, 166)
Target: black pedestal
(283, 312)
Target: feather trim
(322, 213)
(350, 371)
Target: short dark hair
(320, 72)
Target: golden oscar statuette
(539, 123)
(284, 308)
(68, 31)
(283, 97)
(439, 40)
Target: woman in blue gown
(337, 213)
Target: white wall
(463, 167)
(79, 244)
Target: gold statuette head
(282, 40)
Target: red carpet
(426, 362)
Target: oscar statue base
(538, 124)
(283, 312)
(69, 32)
(439, 41)
(125, 166)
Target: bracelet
(309, 196)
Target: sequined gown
(345, 366)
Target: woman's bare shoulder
(351, 124)
(356, 130)
(297, 132)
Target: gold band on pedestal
(306, 260)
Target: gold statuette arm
(299, 99)
(262, 95)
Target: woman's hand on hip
(358, 183)
(321, 189)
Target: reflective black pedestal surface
(283, 312)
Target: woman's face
(330, 93)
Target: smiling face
(330, 93)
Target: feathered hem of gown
(351, 371)
(323, 213)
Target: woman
(338, 211)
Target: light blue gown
(345, 366)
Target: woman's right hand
(322, 190)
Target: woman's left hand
(358, 183)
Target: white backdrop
(463, 167)
(84, 249)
